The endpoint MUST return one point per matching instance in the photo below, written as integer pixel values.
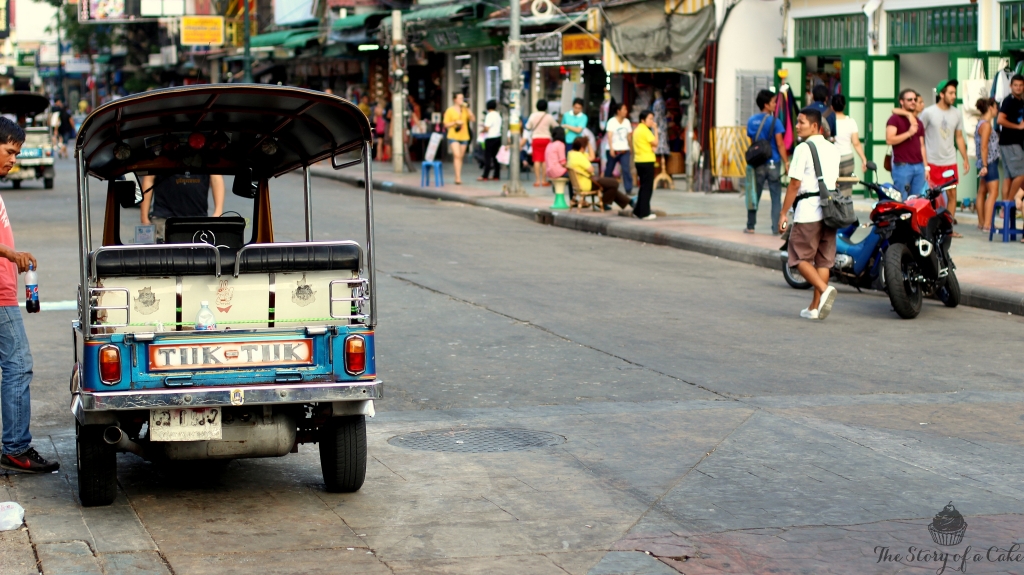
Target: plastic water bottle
(31, 290)
(205, 319)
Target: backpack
(760, 151)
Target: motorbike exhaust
(114, 436)
(924, 247)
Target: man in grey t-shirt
(943, 136)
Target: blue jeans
(909, 177)
(767, 173)
(16, 366)
(627, 176)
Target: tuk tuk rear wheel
(343, 453)
(48, 183)
(97, 467)
(16, 184)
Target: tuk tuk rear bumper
(222, 396)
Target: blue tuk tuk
(290, 357)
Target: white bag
(432, 146)
(12, 516)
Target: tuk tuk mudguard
(299, 304)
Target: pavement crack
(500, 507)
(389, 468)
(546, 330)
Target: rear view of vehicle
(222, 343)
(35, 162)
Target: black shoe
(28, 462)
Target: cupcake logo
(948, 527)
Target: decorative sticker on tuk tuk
(224, 295)
(229, 354)
(303, 293)
(147, 302)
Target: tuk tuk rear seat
(254, 258)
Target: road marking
(66, 305)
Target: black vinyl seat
(159, 262)
(307, 258)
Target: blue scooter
(858, 264)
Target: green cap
(943, 83)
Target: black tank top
(181, 196)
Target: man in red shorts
(812, 244)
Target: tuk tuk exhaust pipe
(114, 436)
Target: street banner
(202, 31)
(538, 47)
(580, 45)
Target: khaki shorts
(814, 243)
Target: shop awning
(279, 37)
(301, 40)
(444, 12)
(461, 37)
(613, 64)
(357, 21)
(643, 37)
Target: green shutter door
(796, 78)
(854, 79)
(882, 95)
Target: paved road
(700, 425)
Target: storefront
(563, 67)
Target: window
(748, 84)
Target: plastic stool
(1009, 230)
(559, 186)
(425, 174)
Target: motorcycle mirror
(871, 166)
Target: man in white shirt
(491, 136)
(812, 244)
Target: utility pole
(60, 56)
(514, 187)
(398, 122)
(246, 55)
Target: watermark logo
(948, 527)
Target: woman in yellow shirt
(456, 120)
(578, 161)
(645, 140)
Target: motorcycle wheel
(949, 294)
(905, 296)
(793, 277)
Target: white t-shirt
(801, 167)
(845, 129)
(618, 132)
(492, 125)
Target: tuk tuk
(291, 357)
(36, 159)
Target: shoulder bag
(836, 209)
(760, 151)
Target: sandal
(957, 235)
(748, 231)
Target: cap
(942, 85)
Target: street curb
(982, 297)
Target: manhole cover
(484, 440)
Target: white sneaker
(809, 313)
(650, 216)
(828, 297)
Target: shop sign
(460, 38)
(541, 47)
(202, 30)
(580, 45)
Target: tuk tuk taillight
(355, 354)
(110, 364)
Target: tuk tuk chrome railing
(87, 259)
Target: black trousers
(644, 173)
(491, 147)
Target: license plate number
(228, 354)
(185, 424)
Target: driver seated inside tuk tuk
(180, 195)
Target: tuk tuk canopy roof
(23, 103)
(220, 129)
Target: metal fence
(930, 28)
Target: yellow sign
(202, 30)
(580, 45)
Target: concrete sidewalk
(991, 274)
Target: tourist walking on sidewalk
(15, 356)
(812, 244)
(620, 142)
(847, 142)
(540, 125)
(1011, 138)
(903, 133)
(491, 135)
(986, 144)
(765, 126)
(456, 120)
(943, 127)
(645, 139)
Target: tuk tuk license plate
(184, 424)
(231, 354)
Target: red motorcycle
(917, 263)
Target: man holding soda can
(15, 356)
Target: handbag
(887, 164)
(836, 209)
(503, 155)
(760, 151)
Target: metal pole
(84, 242)
(514, 187)
(397, 93)
(308, 196)
(246, 55)
(60, 57)
(371, 272)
